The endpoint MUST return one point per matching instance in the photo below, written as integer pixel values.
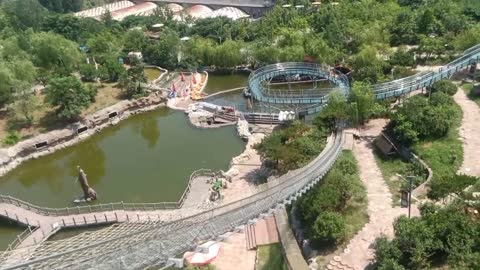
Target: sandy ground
(469, 134)
(359, 251)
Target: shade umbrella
(194, 80)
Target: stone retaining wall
(52, 141)
(293, 255)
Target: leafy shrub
(444, 86)
(12, 138)
(441, 236)
(442, 186)
(421, 118)
(329, 227)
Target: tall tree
(54, 53)
(70, 96)
(24, 13)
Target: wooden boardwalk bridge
(42, 223)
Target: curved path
(360, 251)
(469, 134)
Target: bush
(292, 147)
(440, 187)
(12, 138)
(329, 227)
(421, 118)
(88, 72)
(444, 86)
(442, 235)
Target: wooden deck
(43, 226)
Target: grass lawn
(390, 168)
(443, 155)
(44, 118)
(270, 257)
(467, 88)
(107, 95)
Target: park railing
(136, 247)
(257, 79)
(92, 208)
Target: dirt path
(469, 133)
(359, 251)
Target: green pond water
(8, 232)
(145, 158)
(152, 73)
(217, 83)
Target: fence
(153, 245)
(411, 157)
(46, 211)
(26, 233)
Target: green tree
(66, 25)
(386, 254)
(6, 85)
(329, 227)
(442, 186)
(89, 72)
(103, 45)
(164, 53)
(403, 57)
(61, 6)
(420, 118)
(468, 38)
(366, 65)
(25, 13)
(431, 46)
(131, 81)
(134, 40)
(26, 102)
(444, 86)
(112, 69)
(55, 53)
(70, 96)
(361, 102)
(404, 29)
(335, 111)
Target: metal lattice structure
(136, 245)
(314, 101)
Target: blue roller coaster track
(259, 79)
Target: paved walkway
(469, 134)
(359, 251)
(233, 254)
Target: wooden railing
(66, 211)
(18, 240)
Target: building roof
(198, 11)
(142, 9)
(97, 12)
(230, 12)
(174, 7)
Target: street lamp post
(410, 184)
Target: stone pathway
(469, 134)
(359, 252)
(233, 254)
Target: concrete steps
(250, 237)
